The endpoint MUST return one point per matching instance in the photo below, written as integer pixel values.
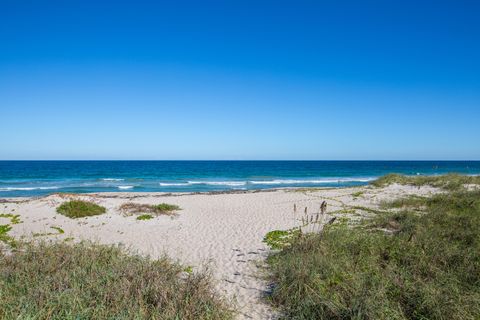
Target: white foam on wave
(125, 187)
(265, 182)
(173, 184)
(314, 181)
(212, 183)
(112, 179)
(27, 188)
(220, 183)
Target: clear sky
(240, 79)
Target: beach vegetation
(80, 209)
(449, 182)
(166, 207)
(90, 281)
(4, 237)
(397, 264)
(58, 229)
(279, 239)
(145, 217)
(131, 208)
(14, 218)
(357, 194)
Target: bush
(80, 209)
(88, 281)
(402, 265)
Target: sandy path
(223, 231)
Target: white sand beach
(223, 231)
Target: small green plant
(80, 209)
(165, 207)
(58, 229)
(145, 217)
(344, 211)
(279, 239)
(14, 218)
(4, 237)
(5, 228)
(357, 194)
(188, 269)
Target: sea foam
(27, 188)
(125, 187)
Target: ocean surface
(35, 178)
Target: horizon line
(251, 160)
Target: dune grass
(420, 261)
(80, 209)
(450, 181)
(89, 281)
(131, 208)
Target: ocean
(35, 178)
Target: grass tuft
(80, 209)
(58, 229)
(165, 207)
(145, 217)
(398, 265)
(89, 281)
(357, 194)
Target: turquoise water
(33, 178)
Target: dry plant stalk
(131, 208)
(295, 213)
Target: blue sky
(239, 79)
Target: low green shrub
(80, 209)
(165, 207)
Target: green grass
(450, 182)
(165, 207)
(89, 281)
(58, 229)
(145, 217)
(357, 194)
(400, 265)
(80, 209)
